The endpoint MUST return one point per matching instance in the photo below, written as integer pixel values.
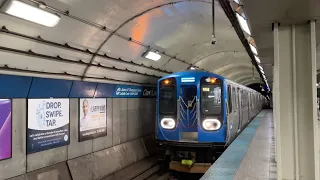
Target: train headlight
(211, 124)
(168, 123)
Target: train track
(165, 174)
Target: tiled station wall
(130, 131)
(130, 127)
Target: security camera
(214, 40)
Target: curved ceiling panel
(236, 76)
(67, 30)
(245, 77)
(227, 69)
(105, 40)
(250, 81)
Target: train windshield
(167, 99)
(211, 99)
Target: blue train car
(198, 115)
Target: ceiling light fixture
(257, 59)
(237, 1)
(261, 68)
(253, 49)
(244, 24)
(30, 13)
(154, 56)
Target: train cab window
(229, 99)
(167, 99)
(211, 99)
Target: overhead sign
(128, 91)
(48, 124)
(5, 129)
(149, 92)
(93, 118)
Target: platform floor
(251, 156)
(259, 161)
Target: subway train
(198, 115)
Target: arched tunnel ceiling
(125, 29)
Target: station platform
(251, 156)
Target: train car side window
(229, 99)
(234, 98)
(238, 98)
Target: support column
(297, 148)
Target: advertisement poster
(5, 129)
(92, 119)
(48, 124)
(127, 91)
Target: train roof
(198, 73)
(193, 73)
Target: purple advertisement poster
(5, 129)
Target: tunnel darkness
(257, 87)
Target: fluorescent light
(152, 56)
(243, 24)
(192, 68)
(257, 59)
(237, 1)
(253, 49)
(260, 67)
(30, 13)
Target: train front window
(189, 94)
(167, 99)
(211, 99)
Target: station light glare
(30, 13)
(244, 24)
(152, 56)
(257, 59)
(192, 68)
(253, 49)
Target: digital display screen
(206, 89)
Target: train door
(188, 113)
(248, 105)
(239, 108)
